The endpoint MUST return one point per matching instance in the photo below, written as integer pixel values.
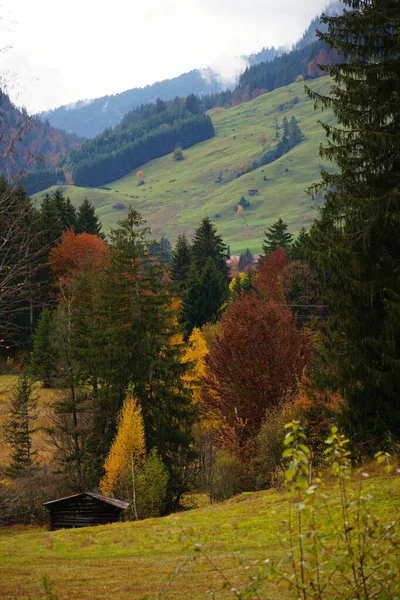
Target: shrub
(177, 154)
(230, 476)
(268, 462)
(152, 484)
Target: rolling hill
(178, 194)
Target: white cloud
(88, 48)
(225, 69)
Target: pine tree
(208, 283)
(87, 221)
(298, 248)
(295, 133)
(19, 426)
(69, 215)
(276, 237)
(207, 244)
(206, 292)
(181, 259)
(51, 225)
(42, 357)
(141, 322)
(356, 243)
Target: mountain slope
(178, 194)
(26, 141)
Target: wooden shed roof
(106, 499)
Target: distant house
(253, 192)
(84, 510)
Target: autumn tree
(140, 177)
(75, 252)
(194, 356)
(127, 454)
(256, 360)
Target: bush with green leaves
(152, 485)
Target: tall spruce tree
(356, 243)
(139, 349)
(208, 282)
(276, 237)
(19, 426)
(181, 259)
(87, 221)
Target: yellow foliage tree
(194, 355)
(127, 454)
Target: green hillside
(130, 560)
(177, 194)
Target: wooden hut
(85, 509)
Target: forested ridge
(29, 143)
(144, 134)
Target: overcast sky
(67, 51)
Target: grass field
(131, 560)
(177, 195)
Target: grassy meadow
(133, 560)
(178, 194)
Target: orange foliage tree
(77, 252)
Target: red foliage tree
(257, 360)
(76, 253)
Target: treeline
(28, 142)
(38, 180)
(146, 133)
(283, 70)
(105, 168)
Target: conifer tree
(206, 292)
(87, 221)
(207, 244)
(42, 357)
(51, 225)
(69, 216)
(181, 259)
(19, 426)
(356, 243)
(276, 237)
(208, 282)
(295, 133)
(141, 323)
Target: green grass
(177, 195)
(129, 560)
